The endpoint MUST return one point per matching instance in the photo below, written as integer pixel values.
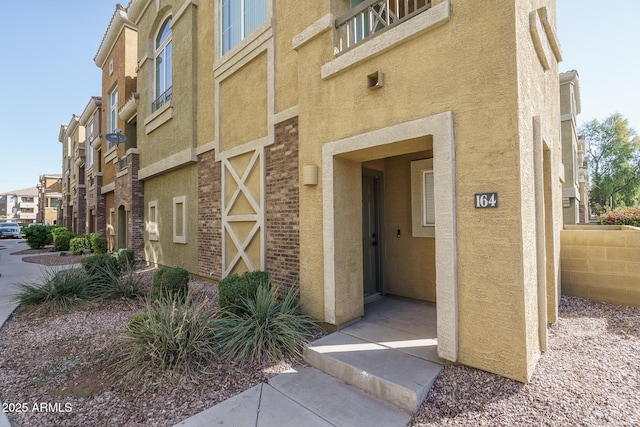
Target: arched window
(163, 66)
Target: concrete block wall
(601, 263)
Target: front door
(371, 238)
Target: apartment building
(91, 121)
(49, 196)
(121, 192)
(19, 206)
(352, 149)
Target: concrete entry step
(388, 354)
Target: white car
(10, 230)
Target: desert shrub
(170, 336)
(101, 265)
(267, 329)
(170, 283)
(59, 290)
(97, 243)
(109, 282)
(38, 236)
(125, 258)
(77, 245)
(62, 240)
(57, 229)
(620, 216)
(234, 289)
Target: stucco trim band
(427, 20)
(440, 126)
(167, 164)
(326, 23)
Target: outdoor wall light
(375, 80)
(310, 175)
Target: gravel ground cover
(589, 376)
(63, 362)
(46, 257)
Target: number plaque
(485, 200)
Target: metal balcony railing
(162, 99)
(373, 16)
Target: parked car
(10, 230)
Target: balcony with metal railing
(162, 99)
(372, 17)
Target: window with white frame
(238, 19)
(180, 219)
(423, 218)
(152, 221)
(112, 222)
(163, 58)
(112, 117)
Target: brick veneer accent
(80, 205)
(209, 216)
(130, 191)
(282, 205)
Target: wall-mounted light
(310, 175)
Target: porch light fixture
(310, 175)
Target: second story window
(163, 59)
(238, 19)
(112, 117)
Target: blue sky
(47, 71)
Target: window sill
(158, 117)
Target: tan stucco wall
(243, 102)
(409, 262)
(205, 94)
(179, 132)
(488, 75)
(601, 263)
(182, 182)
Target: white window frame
(422, 199)
(180, 236)
(161, 50)
(152, 221)
(112, 225)
(245, 27)
(112, 116)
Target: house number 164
(486, 200)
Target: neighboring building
(352, 149)
(575, 194)
(121, 190)
(72, 136)
(91, 121)
(49, 196)
(19, 206)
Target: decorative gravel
(62, 366)
(589, 376)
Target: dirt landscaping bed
(65, 361)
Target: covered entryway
(391, 151)
(372, 191)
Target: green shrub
(268, 329)
(57, 229)
(98, 243)
(125, 258)
(108, 282)
(620, 216)
(59, 290)
(77, 245)
(62, 240)
(38, 236)
(234, 289)
(99, 265)
(170, 336)
(169, 283)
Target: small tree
(614, 161)
(38, 236)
